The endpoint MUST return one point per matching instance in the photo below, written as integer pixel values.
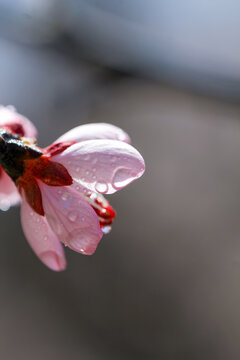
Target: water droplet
(94, 177)
(65, 196)
(45, 238)
(101, 187)
(5, 204)
(77, 187)
(72, 216)
(77, 169)
(59, 192)
(87, 172)
(122, 178)
(106, 229)
(94, 161)
(93, 196)
(38, 220)
(83, 218)
(31, 213)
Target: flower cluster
(60, 187)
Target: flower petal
(71, 218)
(16, 122)
(9, 195)
(42, 239)
(95, 131)
(102, 166)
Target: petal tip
(85, 242)
(53, 261)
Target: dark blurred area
(165, 283)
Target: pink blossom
(62, 185)
(16, 124)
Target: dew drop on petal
(72, 216)
(94, 161)
(101, 187)
(65, 196)
(106, 229)
(45, 238)
(77, 169)
(87, 172)
(122, 178)
(5, 204)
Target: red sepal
(47, 171)
(57, 148)
(53, 174)
(33, 195)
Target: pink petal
(9, 195)
(95, 131)
(103, 166)
(71, 218)
(42, 239)
(8, 116)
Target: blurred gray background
(165, 284)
